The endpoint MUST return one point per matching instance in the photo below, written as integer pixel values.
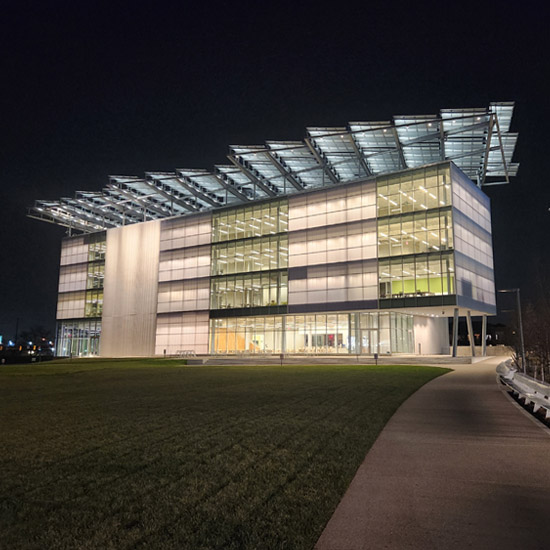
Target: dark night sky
(89, 90)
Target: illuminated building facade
(334, 245)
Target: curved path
(458, 466)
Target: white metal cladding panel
(332, 206)
(182, 331)
(352, 282)
(130, 295)
(470, 200)
(324, 245)
(472, 241)
(328, 227)
(73, 277)
(475, 284)
(186, 231)
(74, 251)
(187, 295)
(70, 305)
(185, 263)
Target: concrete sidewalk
(458, 466)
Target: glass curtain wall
(414, 191)
(249, 265)
(415, 237)
(417, 276)
(78, 338)
(96, 274)
(250, 254)
(80, 299)
(250, 221)
(338, 333)
(415, 233)
(250, 290)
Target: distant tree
(536, 328)
(35, 334)
(512, 339)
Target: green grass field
(152, 454)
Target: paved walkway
(458, 466)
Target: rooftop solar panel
(477, 140)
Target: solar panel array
(478, 141)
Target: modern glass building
(358, 240)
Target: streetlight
(516, 290)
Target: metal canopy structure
(478, 141)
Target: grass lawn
(152, 454)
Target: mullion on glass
(250, 221)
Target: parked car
(25, 354)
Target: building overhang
(477, 140)
(442, 311)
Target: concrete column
(484, 335)
(212, 329)
(283, 335)
(358, 350)
(455, 331)
(471, 333)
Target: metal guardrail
(532, 392)
(186, 353)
